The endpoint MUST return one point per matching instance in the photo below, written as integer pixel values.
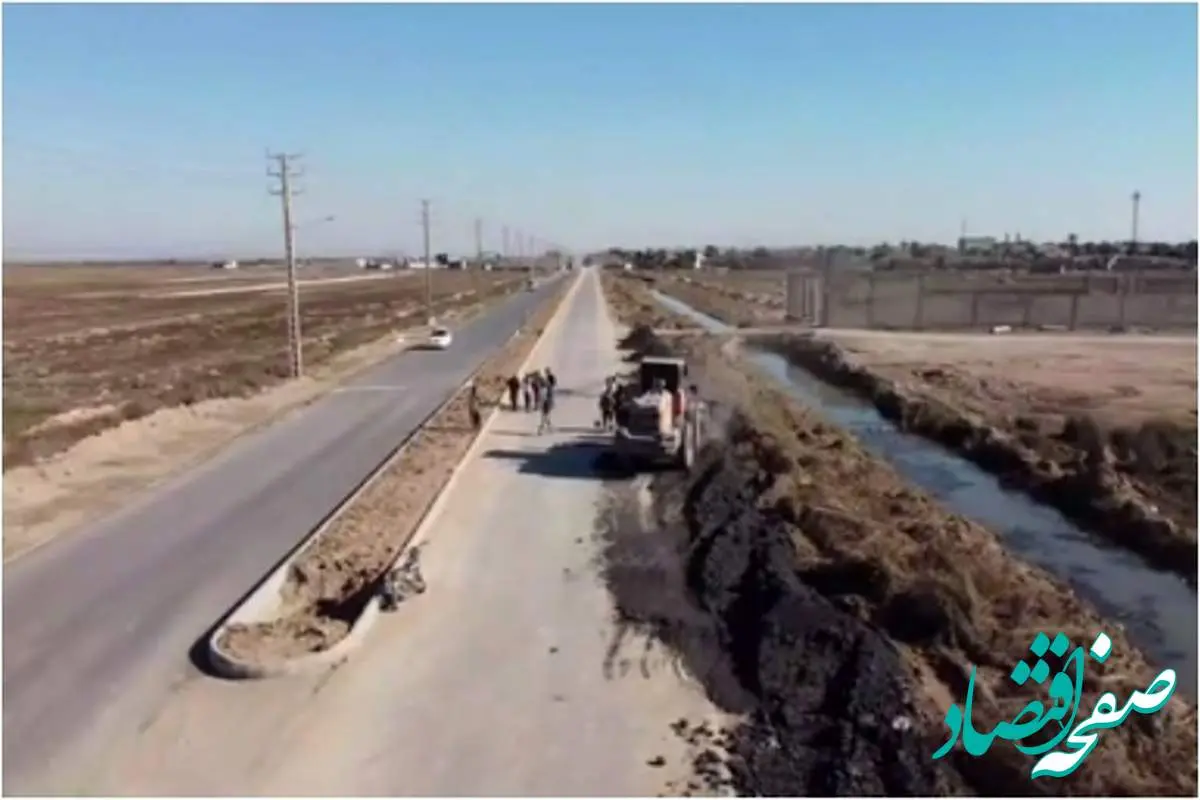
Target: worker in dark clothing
(473, 408)
(514, 390)
(606, 410)
(535, 385)
(551, 379)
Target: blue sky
(140, 130)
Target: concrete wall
(929, 301)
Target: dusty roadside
(328, 587)
(1105, 432)
(731, 305)
(635, 307)
(844, 610)
(105, 470)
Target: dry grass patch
(122, 356)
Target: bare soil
(742, 299)
(730, 305)
(88, 349)
(806, 584)
(330, 584)
(102, 472)
(1103, 430)
(635, 306)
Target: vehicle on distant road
(440, 338)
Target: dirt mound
(642, 340)
(833, 716)
(841, 611)
(827, 709)
(1082, 471)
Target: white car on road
(440, 338)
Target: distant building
(977, 245)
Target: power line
(285, 174)
(428, 262)
(478, 255)
(1133, 234)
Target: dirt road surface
(506, 677)
(98, 624)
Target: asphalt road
(98, 624)
(507, 677)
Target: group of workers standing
(534, 391)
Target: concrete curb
(264, 599)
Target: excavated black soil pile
(824, 693)
(832, 715)
(1085, 482)
(642, 341)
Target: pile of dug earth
(814, 652)
(827, 712)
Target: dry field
(630, 298)
(1119, 410)
(885, 603)
(1120, 382)
(757, 285)
(740, 299)
(87, 348)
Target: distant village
(485, 261)
(970, 252)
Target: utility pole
(1133, 236)
(478, 254)
(428, 262)
(504, 250)
(286, 191)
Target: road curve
(98, 623)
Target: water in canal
(1158, 609)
